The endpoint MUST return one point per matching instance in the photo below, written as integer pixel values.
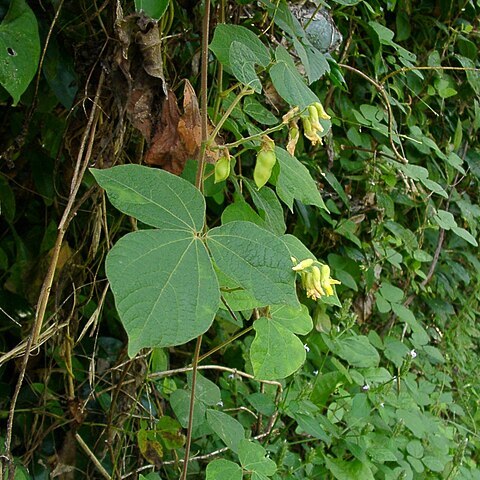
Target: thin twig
(199, 185)
(212, 454)
(410, 69)
(92, 457)
(188, 442)
(80, 168)
(204, 95)
(47, 284)
(225, 343)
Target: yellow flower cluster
(311, 123)
(315, 276)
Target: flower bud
(321, 111)
(308, 262)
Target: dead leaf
(189, 126)
(141, 84)
(178, 136)
(167, 149)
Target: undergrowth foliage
(277, 279)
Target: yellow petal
(308, 262)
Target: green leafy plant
(304, 308)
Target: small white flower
(220, 404)
(366, 387)
(382, 404)
(231, 376)
(315, 372)
(306, 347)
(413, 353)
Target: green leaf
(414, 421)
(349, 470)
(434, 353)
(296, 248)
(165, 288)
(405, 314)
(381, 454)
(153, 196)
(252, 457)
(297, 320)
(291, 86)
(269, 207)
(241, 211)
(222, 469)
(396, 351)
(435, 187)
(325, 385)
(169, 430)
(205, 391)
(242, 62)
(180, 403)
(313, 60)
(257, 260)
(445, 219)
(280, 13)
(415, 448)
(357, 351)
(227, 428)
(385, 35)
(19, 49)
(226, 34)
(152, 8)
(391, 293)
(258, 112)
(311, 425)
(275, 352)
(262, 402)
(295, 181)
(414, 171)
(466, 235)
(434, 464)
(236, 297)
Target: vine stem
(188, 442)
(199, 185)
(204, 96)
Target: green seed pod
(264, 166)
(222, 169)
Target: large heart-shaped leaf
(165, 288)
(155, 197)
(257, 260)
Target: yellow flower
(303, 265)
(321, 111)
(326, 281)
(315, 278)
